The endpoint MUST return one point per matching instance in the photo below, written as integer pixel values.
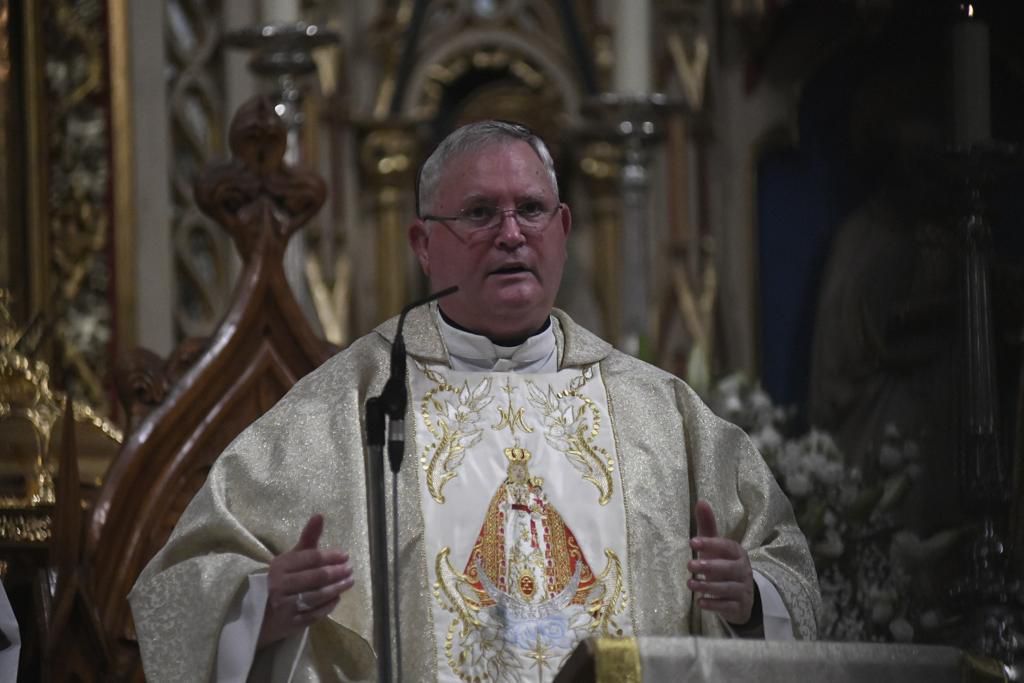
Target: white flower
(732, 405)
(848, 494)
(832, 547)
(792, 450)
(788, 460)
(831, 474)
(769, 437)
(825, 443)
(732, 384)
(881, 611)
(905, 545)
(798, 484)
(909, 548)
(759, 400)
(815, 462)
(890, 457)
(901, 630)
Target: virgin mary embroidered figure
(524, 550)
(527, 595)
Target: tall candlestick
(633, 47)
(279, 11)
(971, 92)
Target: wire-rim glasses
(532, 217)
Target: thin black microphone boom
(388, 407)
(394, 396)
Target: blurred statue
(886, 327)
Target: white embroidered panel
(525, 531)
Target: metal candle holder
(635, 120)
(284, 51)
(988, 595)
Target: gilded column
(388, 153)
(601, 164)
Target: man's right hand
(304, 584)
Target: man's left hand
(720, 573)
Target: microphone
(394, 397)
(390, 405)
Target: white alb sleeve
(240, 635)
(778, 625)
(776, 621)
(236, 649)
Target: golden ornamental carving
(519, 88)
(25, 395)
(696, 302)
(601, 164)
(27, 399)
(601, 161)
(20, 527)
(690, 64)
(389, 153)
(388, 159)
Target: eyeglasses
(532, 217)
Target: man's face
(507, 279)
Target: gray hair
(470, 138)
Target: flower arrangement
(871, 567)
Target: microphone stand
(387, 409)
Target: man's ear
(566, 220)
(419, 241)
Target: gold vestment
(305, 456)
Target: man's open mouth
(510, 269)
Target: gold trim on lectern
(979, 669)
(617, 660)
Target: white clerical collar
(471, 352)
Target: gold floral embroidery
(457, 417)
(603, 607)
(449, 589)
(568, 430)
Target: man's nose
(509, 233)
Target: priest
(554, 488)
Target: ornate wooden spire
(208, 390)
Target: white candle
(971, 90)
(633, 47)
(279, 11)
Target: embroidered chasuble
(524, 518)
(535, 509)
